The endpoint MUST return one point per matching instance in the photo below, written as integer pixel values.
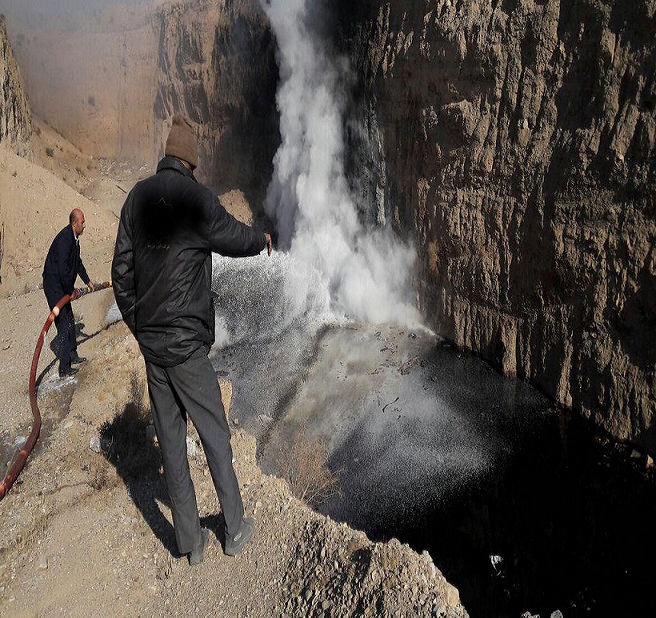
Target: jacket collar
(173, 163)
(71, 233)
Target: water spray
(367, 270)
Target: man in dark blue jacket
(63, 265)
(162, 273)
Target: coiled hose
(26, 449)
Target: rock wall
(515, 141)
(217, 66)
(15, 115)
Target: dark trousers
(191, 388)
(65, 323)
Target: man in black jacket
(162, 272)
(62, 266)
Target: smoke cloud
(366, 270)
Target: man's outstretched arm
(232, 238)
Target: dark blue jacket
(63, 265)
(162, 266)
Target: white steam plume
(366, 271)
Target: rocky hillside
(15, 116)
(515, 141)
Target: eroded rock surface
(137, 65)
(515, 142)
(15, 116)
(217, 66)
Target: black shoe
(196, 556)
(234, 545)
(78, 359)
(70, 371)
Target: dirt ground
(86, 529)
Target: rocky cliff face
(515, 141)
(15, 116)
(217, 66)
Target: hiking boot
(67, 372)
(78, 359)
(196, 556)
(234, 545)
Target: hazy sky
(26, 9)
(60, 6)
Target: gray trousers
(191, 388)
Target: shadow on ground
(127, 445)
(55, 344)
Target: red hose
(25, 451)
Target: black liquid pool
(561, 520)
(520, 505)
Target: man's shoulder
(64, 234)
(59, 243)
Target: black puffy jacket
(162, 266)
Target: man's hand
(90, 285)
(268, 243)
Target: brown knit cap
(181, 142)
